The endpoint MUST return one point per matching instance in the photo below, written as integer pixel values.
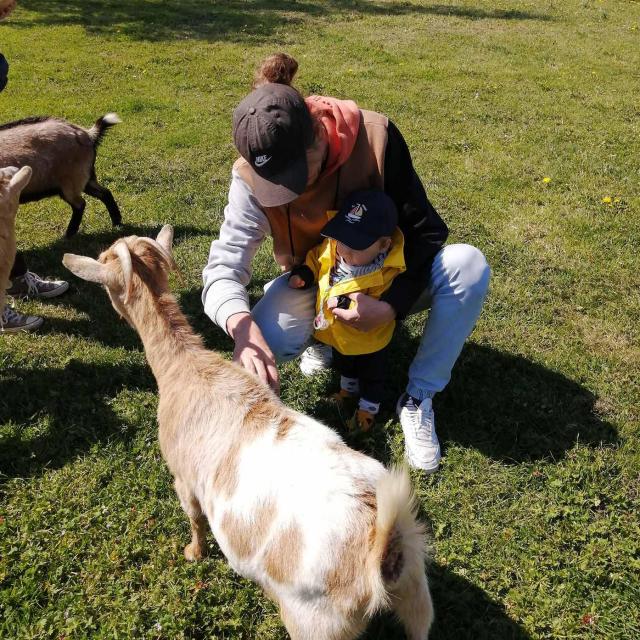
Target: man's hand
(367, 313)
(252, 350)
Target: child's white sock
(350, 385)
(370, 407)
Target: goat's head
(127, 265)
(12, 182)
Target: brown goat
(12, 182)
(62, 156)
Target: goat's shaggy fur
(328, 532)
(62, 156)
(12, 182)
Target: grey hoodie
(228, 271)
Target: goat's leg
(93, 188)
(412, 604)
(77, 205)
(198, 545)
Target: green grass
(534, 515)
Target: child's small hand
(296, 282)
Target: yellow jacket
(346, 339)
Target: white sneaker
(315, 358)
(421, 445)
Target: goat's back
(54, 148)
(290, 504)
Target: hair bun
(279, 68)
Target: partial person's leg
(456, 292)
(372, 376)
(372, 370)
(285, 317)
(347, 367)
(11, 321)
(457, 289)
(19, 267)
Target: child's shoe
(341, 397)
(362, 420)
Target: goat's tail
(101, 126)
(399, 545)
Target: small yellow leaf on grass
(606, 200)
(546, 179)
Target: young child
(363, 251)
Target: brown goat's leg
(198, 545)
(77, 205)
(103, 194)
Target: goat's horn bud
(122, 251)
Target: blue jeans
(456, 291)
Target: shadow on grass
(462, 612)
(507, 407)
(102, 323)
(48, 259)
(233, 20)
(52, 415)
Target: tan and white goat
(328, 532)
(12, 182)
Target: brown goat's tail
(399, 540)
(98, 130)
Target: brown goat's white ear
(86, 268)
(165, 238)
(21, 179)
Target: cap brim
(284, 187)
(346, 233)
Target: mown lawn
(523, 120)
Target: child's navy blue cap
(363, 218)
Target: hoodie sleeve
(228, 270)
(424, 230)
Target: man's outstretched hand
(251, 349)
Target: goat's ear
(21, 179)
(86, 268)
(165, 238)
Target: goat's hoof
(192, 553)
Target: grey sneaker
(421, 445)
(315, 358)
(31, 285)
(13, 322)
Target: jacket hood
(341, 119)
